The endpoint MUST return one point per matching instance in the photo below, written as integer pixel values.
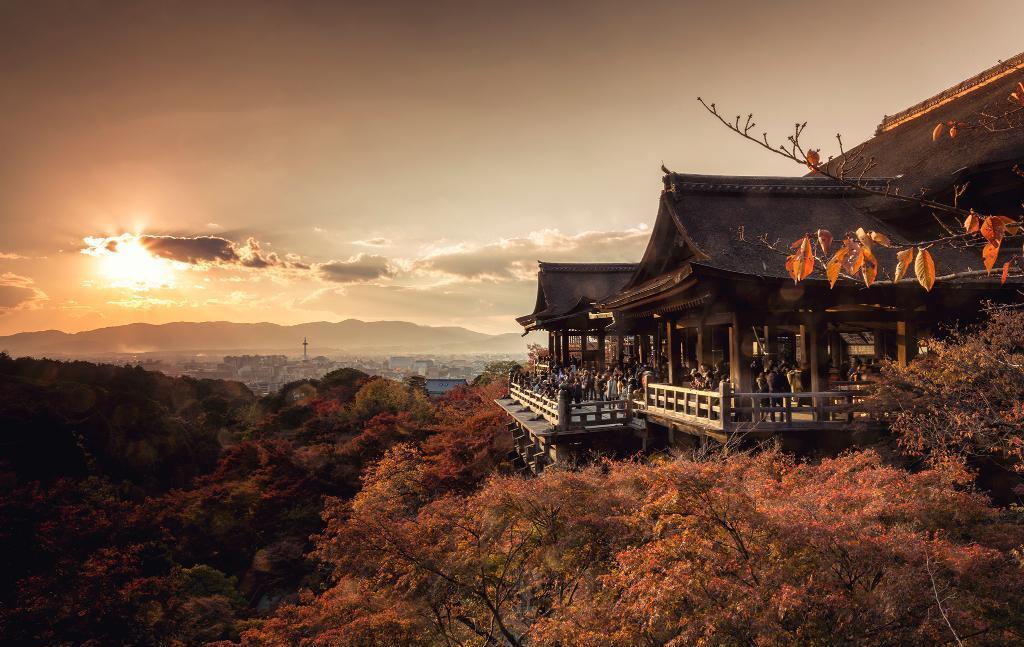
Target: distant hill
(224, 336)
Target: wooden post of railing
(724, 404)
(564, 399)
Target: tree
(963, 402)
(416, 383)
(496, 372)
(387, 396)
(751, 549)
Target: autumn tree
(751, 549)
(760, 550)
(963, 402)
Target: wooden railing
(721, 410)
(703, 408)
(728, 411)
(545, 407)
(599, 413)
(808, 409)
(581, 416)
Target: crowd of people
(626, 381)
(585, 384)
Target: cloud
(373, 242)
(197, 251)
(19, 293)
(139, 302)
(357, 269)
(515, 259)
(7, 256)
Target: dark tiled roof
(720, 219)
(714, 212)
(563, 288)
(903, 146)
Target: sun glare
(128, 264)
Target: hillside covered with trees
(141, 509)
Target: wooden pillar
(906, 341)
(835, 349)
(565, 348)
(657, 347)
(879, 335)
(600, 350)
(619, 348)
(741, 352)
(551, 349)
(815, 331)
(771, 343)
(675, 364)
(645, 349)
(705, 342)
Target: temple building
(712, 289)
(566, 298)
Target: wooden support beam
(600, 350)
(675, 364)
(645, 349)
(619, 349)
(741, 352)
(565, 348)
(551, 348)
(815, 332)
(835, 350)
(705, 342)
(771, 342)
(656, 353)
(906, 341)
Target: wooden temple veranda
(711, 289)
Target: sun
(126, 263)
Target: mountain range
(350, 335)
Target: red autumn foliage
(745, 549)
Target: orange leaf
(952, 132)
(993, 228)
(825, 240)
(1018, 96)
(972, 223)
(863, 237)
(855, 258)
(791, 261)
(937, 132)
(1006, 272)
(813, 159)
(924, 268)
(807, 265)
(989, 255)
(800, 263)
(880, 238)
(835, 265)
(870, 269)
(903, 260)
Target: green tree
(496, 371)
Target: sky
(310, 161)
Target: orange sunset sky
(291, 162)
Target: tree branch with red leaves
(856, 253)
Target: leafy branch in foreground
(856, 254)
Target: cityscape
(265, 374)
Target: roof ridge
(980, 79)
(795, 185)
(588, 267)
